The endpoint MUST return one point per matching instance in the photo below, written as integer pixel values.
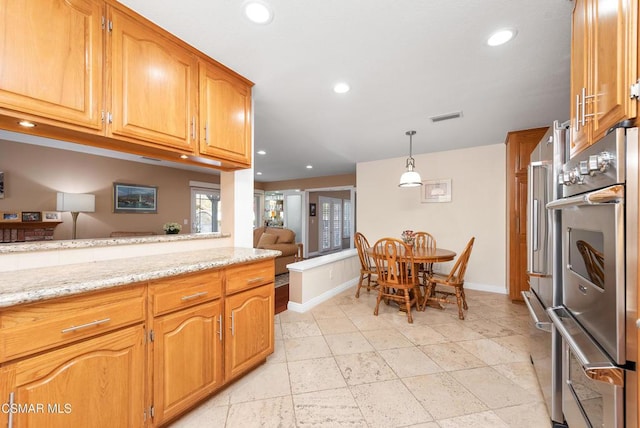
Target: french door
(330, 225)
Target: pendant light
(410, 178)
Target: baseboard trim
(304, 307)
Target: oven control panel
(596, 167)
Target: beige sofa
(273, 238)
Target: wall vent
(446, 116)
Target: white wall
(477, 207)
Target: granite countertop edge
(24, 247)
(33, 285)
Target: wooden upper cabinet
(580, 135)
(154, 81)
(603, 68)
(225, 115)
(51, 60)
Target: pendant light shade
(410, 178)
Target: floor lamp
(76, 203)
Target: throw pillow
(267, 239)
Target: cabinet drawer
(35, 327)
(243, 277)
(185, 290)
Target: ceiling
(405, 60)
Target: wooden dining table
(427, 255)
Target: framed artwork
(10, 216)
(51, 216)
(1, 185)
(135, 198)
(31, 216)
(436, 191)
(312, 210)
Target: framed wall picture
(1, 185)
(135, 198)
(10, 216)
(312, 210)
(31, 216)
(51, 216)
(436, 191)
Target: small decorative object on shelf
(172, 228)
(408, 237)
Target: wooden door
(187, 358)
(99, 382)
(580, 72)
(249, 329)
(225, 115)
(520, 144)
(51, 60)
(613, 29)
(153, 86)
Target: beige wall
(33, 175)
(477, 207)
(309, 183)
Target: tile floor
(339, 366)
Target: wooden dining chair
(394, 263)
(368, 270)
(454, 279)
(424, 240)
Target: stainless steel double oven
(596, 321)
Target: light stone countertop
(31, 285)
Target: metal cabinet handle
(577, 122)
(254, 280)
(89, 324)
(193, 128)
(233, 324)
(206, 133)
(10, 420)
(220, 329)
(194, 296)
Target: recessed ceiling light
(261, 152)
(258, 12)
(258, 173)
(341, 88)
(27, 124)
(501, 37)
(309, 166)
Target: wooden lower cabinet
(98, 382)
(187, 358)
(249, 329)
(134, 356)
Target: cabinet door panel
(613, 25)
(51, 59)
(579, 75)
(153, 86)
(248, 329)
(187, 358)
(225, 116)
(96, 383)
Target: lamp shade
(410, 179)
(76, 202)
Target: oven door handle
(536, 312)
(600, 369)
(608, 195)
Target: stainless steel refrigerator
(544, 267)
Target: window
(346, 218)
(330, 224)
(205, 210)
